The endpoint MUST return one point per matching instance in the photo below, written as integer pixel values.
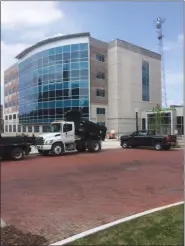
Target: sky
(25, 23)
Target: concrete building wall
(100, 48)
(125, 84)
(101, 117)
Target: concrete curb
(117, 222)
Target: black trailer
(15, 148)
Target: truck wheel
(82, 149)
(124, 145)
(57, 149)
(166, 147)
(94, 146)
(158, 146)
(17, 154)
(43, 152)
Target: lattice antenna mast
(158, 24)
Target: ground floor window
(6, 128)
(14, 128)
(159, 122)
(24, 128)
(180, 125)
(10, 128)
(143, 124)
(29, 128)
(19, 128)
(45, 128)
(36, 128)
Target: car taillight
(168, 138)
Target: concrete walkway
(107, 144)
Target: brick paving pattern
(60, 196)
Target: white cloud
(17, 14)
(176, 44)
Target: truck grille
(39, 141)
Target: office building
(11, 99)
(107, 81)
(1, 119)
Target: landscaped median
(165, 227)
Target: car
(148, 138)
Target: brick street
(60, 196)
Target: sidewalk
(107, 144)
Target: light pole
(137, 127)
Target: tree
(157, 121)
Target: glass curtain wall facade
(145, 81)
(52, 82)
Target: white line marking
(106, 226)
(3, 224)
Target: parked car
(148, 138)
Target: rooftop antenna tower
(159, 24)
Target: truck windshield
(55, 127)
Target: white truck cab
(61, 135)
(62, 138)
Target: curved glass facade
(52, 82)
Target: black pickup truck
(148, 138)
(15, 147)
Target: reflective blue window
(52, 82)
(66, 48)
(145, 81)
(75, 47)
(84, 46)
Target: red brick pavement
(60, 196)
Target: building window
(100, 75)
(145, 81)
(10, 117)
(10, 128)
(6, 128)
(24, 128)
(100, 110)
(180, 125)
(14, 128)
(14, 116)
(29, 128)
(100, 93)
(19, 128)
(143, 124)
(101, 123)
(6, 117)
(100, 57)
(36, 128)
(45, 128)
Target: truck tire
(124, 145)
(81, 149)
(158, 146)
(57, 149)
(166, 147)
(94, 146)
(17, 154)
(43, 152)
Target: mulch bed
(11, 236)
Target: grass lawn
(161, 228)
